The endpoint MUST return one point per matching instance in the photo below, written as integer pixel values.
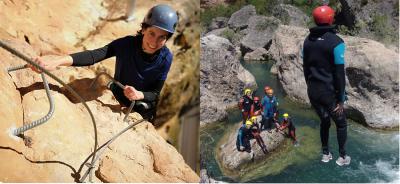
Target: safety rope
(45, 118)
(105, 145)
(73, 92)
(108, 85)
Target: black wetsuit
(323, 57)
(243, 139)
(145, 72)
(245, 107)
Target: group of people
(259, 116)
(324, 72)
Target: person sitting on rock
(255, 131)
(256, 107)
(244, 136)
(287, 123)
(142, 61)
(270, 110)
(245, 103)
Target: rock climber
(142, 60)
(323, 66)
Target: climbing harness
(73, 92)
(45, 118)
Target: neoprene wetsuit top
(323, 63)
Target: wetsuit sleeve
(153, 94)
(90, 57)
(339, 74)
(240, 134)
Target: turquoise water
(375, 153)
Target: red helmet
(266, 88)
(256, 98)
(323, 15)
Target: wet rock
(371, 71)
(232, 159)
(290, 15)
(259, 33)
(222, 78)
(240, 19)
(206, 178)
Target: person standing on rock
(256, 107)
(270, 110)
(323, 66)
(245, 103)
(142, 61)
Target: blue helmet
(163, 17)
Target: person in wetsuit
(323, 66)
(270, 110)
(287, 123)
(142, 61)
(256, 107)
(245, 103)
(255, 132)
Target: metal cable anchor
(45, 118)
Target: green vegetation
(219, 11)
(228, 34)
(382, 30)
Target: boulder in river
(222, 78)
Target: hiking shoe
(326, 158)
(341, 161)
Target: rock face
(232, 159)
(259, 54)
(218, 22)
(239, 20)
(290, 15)
(259, 33)
(376, 20)
(59, 147)
(371, 70)
(222, 78)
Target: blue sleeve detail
(338, 53)
(302, 53)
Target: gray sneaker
(343, 161)
(326, 158)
